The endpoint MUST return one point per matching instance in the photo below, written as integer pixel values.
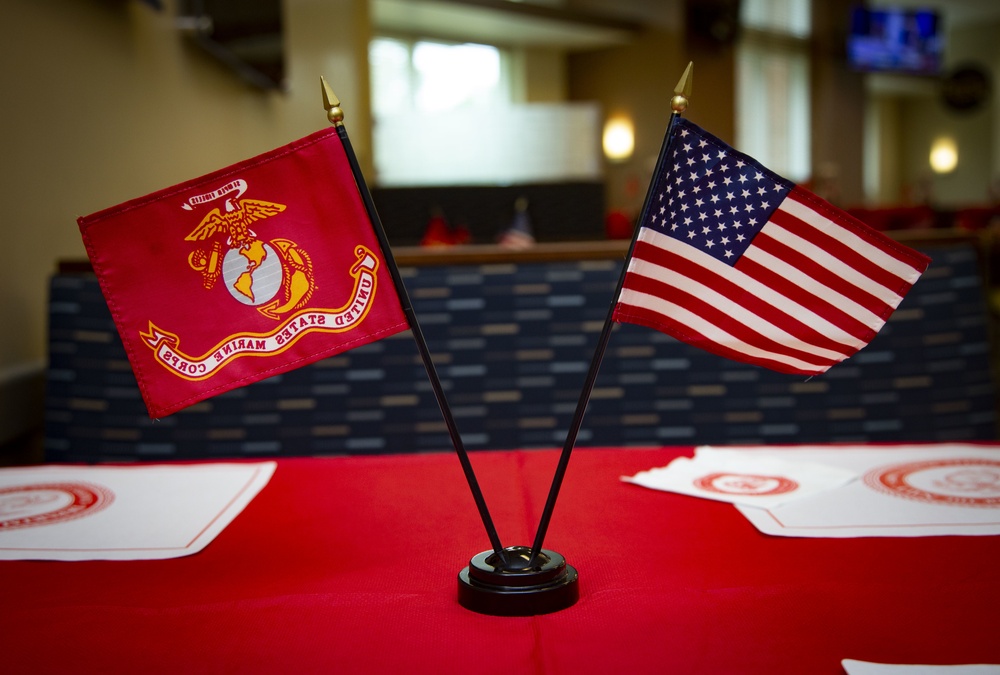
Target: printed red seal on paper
(961, 481)
(745, 484)
(47, 503)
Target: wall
(636, 81)
(837, 108)
(974, 43)
(885, 141)
(912, 114)
(104, 102)
(538, 75)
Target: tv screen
(895, 40)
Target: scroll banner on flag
(253, 270)
(736, 260)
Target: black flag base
(519, 588)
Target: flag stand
(678, 104)
(513, 581)
(504, 581)
(336, 116)
(536, 580)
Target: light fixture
(944, 155)
(619, 139)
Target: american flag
(736, 260)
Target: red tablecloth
(349, 565)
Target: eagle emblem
(273, 276)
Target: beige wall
(104, 101)
(538, 75)
(974, 43)
(887, 144)
(912, 114)
(837, 108)
(635, 81)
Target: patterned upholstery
(512, 344)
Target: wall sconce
(944, 155)
(619, 139)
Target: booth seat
(897, 218)
(924, 217)
(512, 338)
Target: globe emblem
(252, 273)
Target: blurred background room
(470, 117)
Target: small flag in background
(251, 271)
(519, 235)
(438, 233)
(738, 261)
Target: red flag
(738, 261)
(253, 270)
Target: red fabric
(212, 289)
(895, 218)
(976, 218)
(437, 233)
(349, 565)
(617, 225)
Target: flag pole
(678, 104)
(335, 114)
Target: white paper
(902, 491)
(853, 667)
(752, 478)
(138, 512)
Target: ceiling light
(619, 139)
(944, 155)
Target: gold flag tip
(331, 103)
(682, 92)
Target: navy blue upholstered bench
(512, 343)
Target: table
(349, 565)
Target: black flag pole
(678, 104)
(336, 116)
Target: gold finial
(332, 104)
(682, 92)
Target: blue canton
(712, 197)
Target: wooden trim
(415, 256)
(934, 237)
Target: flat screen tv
(897, 40)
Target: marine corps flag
(251, 271)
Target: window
(784, 17)
(431, 77)
(444, 115)
(772, 85)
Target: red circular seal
(960, 482)
(46, 503)
(745, 484)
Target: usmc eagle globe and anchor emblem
(253, 271)
(275, 277)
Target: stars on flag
(713, 197)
